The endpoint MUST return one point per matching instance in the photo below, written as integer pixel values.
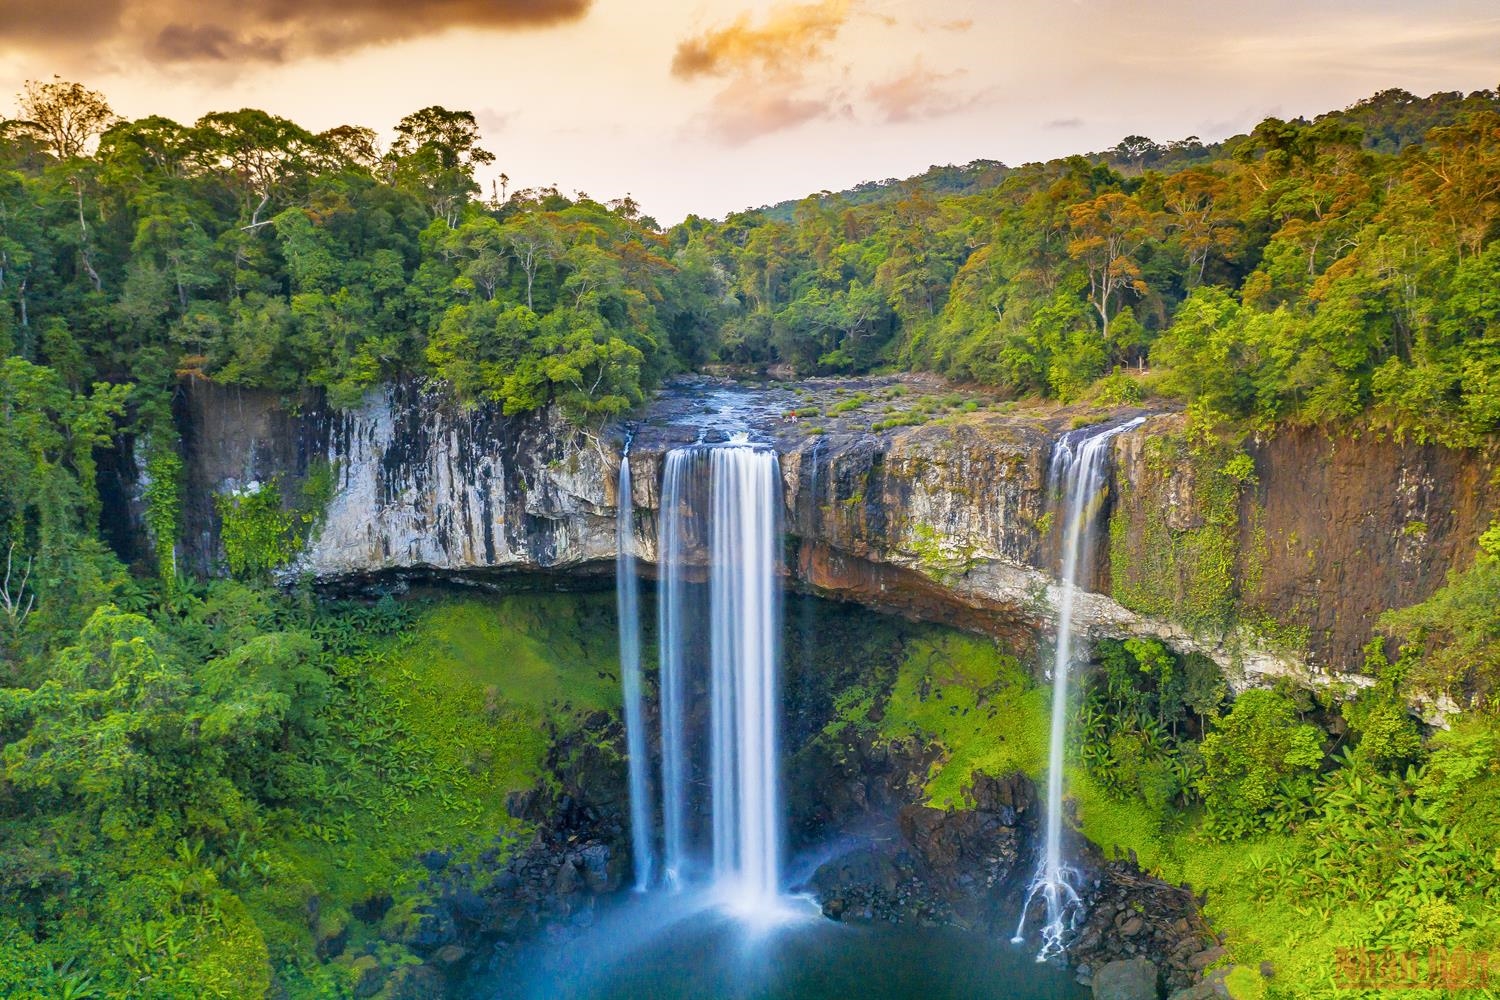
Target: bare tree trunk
(83, 237)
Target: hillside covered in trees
(184, 764)
(1307, 271)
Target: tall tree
(1108, 231)
(435, 155)
(65, 115)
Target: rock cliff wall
(1271, 558)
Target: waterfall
(674, 615)
(722, 504)
(1077, 476)
(628, 601)
(745, 616)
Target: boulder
(1205, 958)
(1212, 988)
(369, 976)
(1132, 979)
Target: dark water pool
(674, 948)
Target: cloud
(220, 32)
(764, 68)
(1065, 123)
(790, 36)
(492, 122)
(744, 110)
(917, 95)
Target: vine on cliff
(163, 496)
(257, 531)
(1190, 575)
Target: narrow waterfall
(1077, 476)
(628, 602)
(721, 506)
(674, 611)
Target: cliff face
(1272, 562)
(1302, 538)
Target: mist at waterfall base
(675, 946)
(720, 915)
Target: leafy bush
(1257, 756)
(854, 402)
(1117, 389)
(256, 530)
(1457, 630)
(163, 496)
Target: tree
(256, 153)
(22, 243)
(435, 154)
(1200, 226)
(350, 146)
(533, 238)
(1137, 151)
(1460, 172)
(65, 115)
(1107, 233)
(1458, 629)
(48, 503)
(483, 245)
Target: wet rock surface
(969, 867)
(901, 493)
(936, 867)
(1132, 915)
(1126, 979)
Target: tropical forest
(1076, 578)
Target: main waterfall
(745, 617)
(1077, 475)
(721, 513)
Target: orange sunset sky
(708, 107)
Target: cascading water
(675, 613)
(628, 600)
(1077, 476)
(745, 615)
(722, 504)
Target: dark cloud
(40, 22)
(212, 43)
(257, 31)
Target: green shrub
(854, 402)
(911, 418)
(1257, 755)
(256, 530)
(1117, 389)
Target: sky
(708, 107)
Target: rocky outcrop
(945, 519)
(1126, 979)
(957, 867)
(968, 868)
(1135, 918)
